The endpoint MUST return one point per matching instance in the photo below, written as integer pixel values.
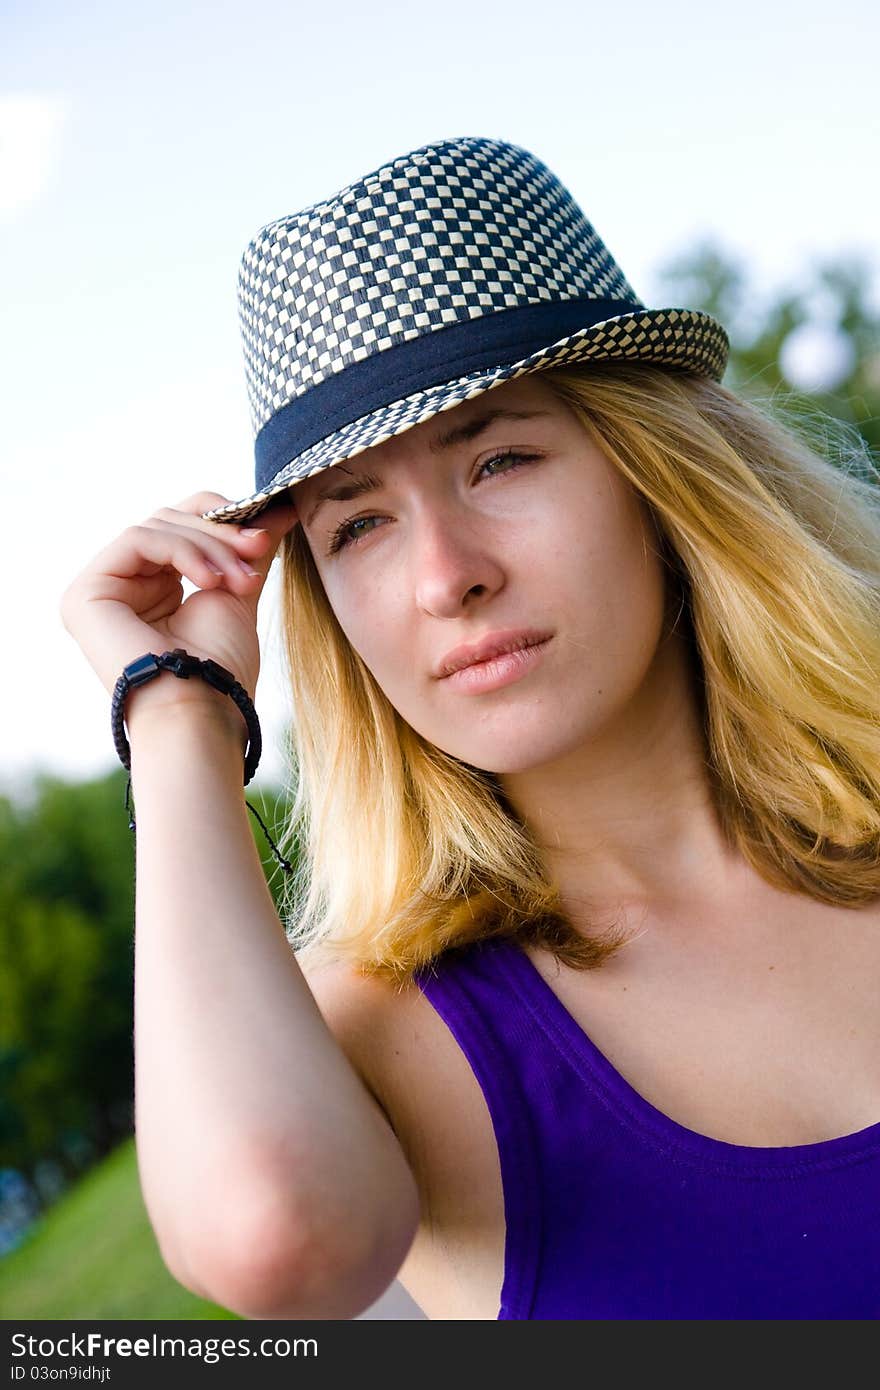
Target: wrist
(160, 706)
(209, 679)
(185, 746)
(214, 713)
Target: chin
(516, 763)
(510, 740)
(508, 756)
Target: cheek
(602, 540)
(611, 586)
(378, 644)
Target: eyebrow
(450, 439)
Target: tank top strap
(475, 1002)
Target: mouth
(490, 647)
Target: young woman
(581, 1017)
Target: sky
(142, 147)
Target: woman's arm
(273, 1180)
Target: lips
(493, 644)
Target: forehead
(528, 393)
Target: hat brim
(684, 338)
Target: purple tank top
(613, 1210)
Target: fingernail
(246, 567)
(253, 531)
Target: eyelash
(340, 540)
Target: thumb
(264, 536)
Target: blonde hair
(769, 527)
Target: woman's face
(513, 526)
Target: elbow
(267, 1264)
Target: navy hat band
(477, 344)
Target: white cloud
(30, 139)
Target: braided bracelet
(181, 663)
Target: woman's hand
(129, 599)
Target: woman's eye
(345, 534)
(342, 536)
(518, 459)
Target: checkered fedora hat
(443, 273)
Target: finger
(274, 522)
(280, 510)
(168, 604)
(259, 543)
(263, 544)
(222, 549)
(136, 553)
(203, 502)
(222, 545)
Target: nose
(454, 561)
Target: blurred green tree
(67, 968)
(834, 301)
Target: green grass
(93, 1255)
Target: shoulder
(416, 1072)
(369, 1015)
(352, 1002)
(406, 1056)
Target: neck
(628, 819)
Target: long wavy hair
(768, 522)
